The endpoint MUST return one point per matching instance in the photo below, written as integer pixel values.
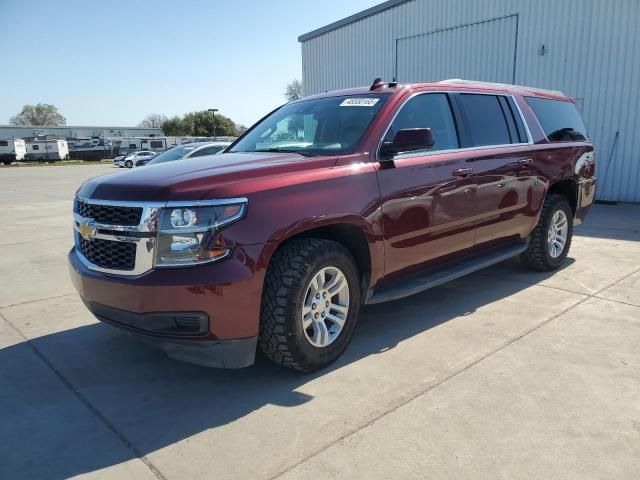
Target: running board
(425, 280)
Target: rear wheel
(551, 239)
(310, 304)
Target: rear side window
(560, 120)
(485, 120)
(432, 111)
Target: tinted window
(3, 143)
(35, 147)
(132, 145)
(207, 151)
(322, 126)
(428, 111)
(560, 120)
(156, 144)
(486, 121)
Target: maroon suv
(330, 202)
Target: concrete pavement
(502, 374)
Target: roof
(80, 127)
(351, 19)
(455, 84)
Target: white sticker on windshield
(359, 102)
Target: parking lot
(502, 374)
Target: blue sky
(114, 62)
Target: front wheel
(128, 164)
(551, 239)
(310, 304)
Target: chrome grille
(109, 214)
(109, 254)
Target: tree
(173, 127)
(293, 90)
(153, 120)
(200, 124)
(40, 114)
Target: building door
(484, 51)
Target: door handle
(525, 161)
(462, 172)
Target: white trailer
(45, 150)
(12, 150)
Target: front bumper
(236, 353)
(190, 312)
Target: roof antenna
(393, 83)
(377, 83)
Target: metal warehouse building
(589, 49)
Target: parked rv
(12, 150)
(47, 150)
(94, 148)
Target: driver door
(428, 196)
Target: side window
(485, 120)
(36, 147)
(156, 144)
(132, 145)
(4, 143)
(560, 120)
(429, 110)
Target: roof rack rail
(460, 81)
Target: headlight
(188, 234)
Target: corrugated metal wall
(591, 51)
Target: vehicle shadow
(616, 222)
(153, 401)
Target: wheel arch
(354, 237)
(568, 188)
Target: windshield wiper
(285, 150)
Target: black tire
(537, 256)
(128, 164)
(290, 271)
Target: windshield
(326, 126)
(173, 154)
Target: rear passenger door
(427, 200)
(502, 166)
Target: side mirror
(408, 140)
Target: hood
(192, 179)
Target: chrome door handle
(462, 172)
(525, 161)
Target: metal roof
(351, 19)
(80, 126)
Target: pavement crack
(85, 401)
(448, 377)
(36, 300)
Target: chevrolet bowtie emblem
(87, 230)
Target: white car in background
(190, 150)
(132, 159)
